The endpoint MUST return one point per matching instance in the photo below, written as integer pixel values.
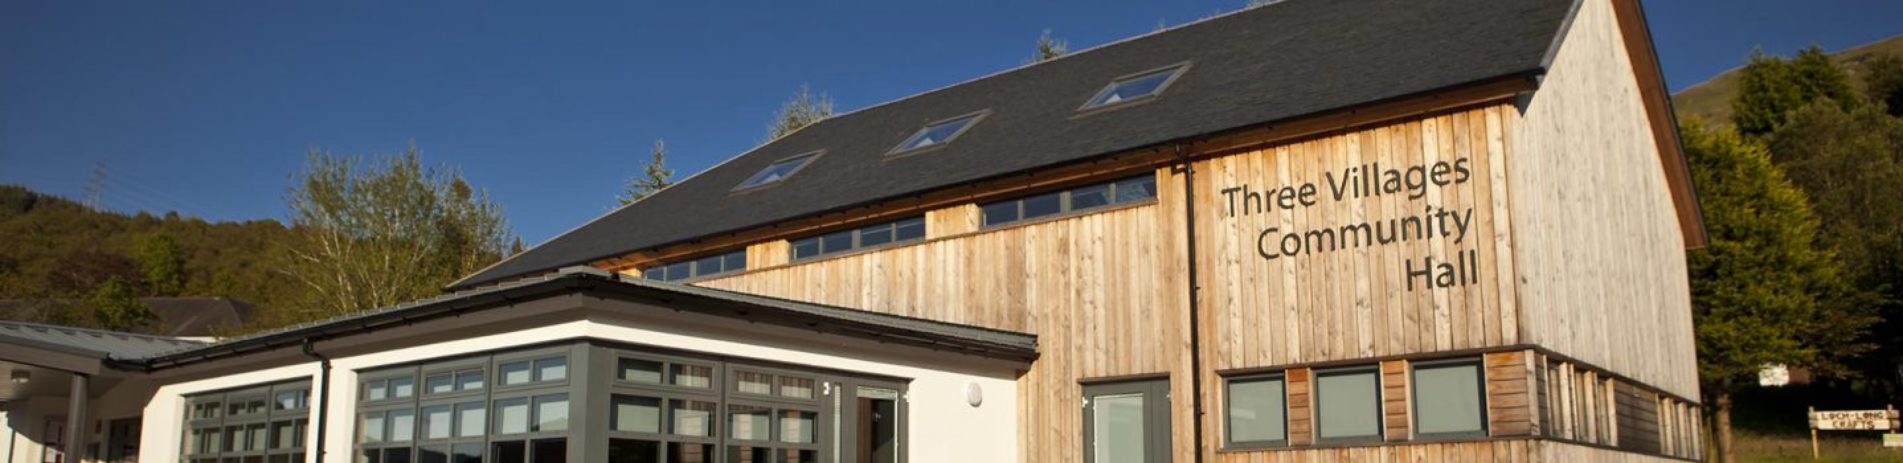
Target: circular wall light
(974, 394)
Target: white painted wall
(941, 427)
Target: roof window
(778, 171)
(937, 134)
(1136, 87)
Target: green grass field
(1711, 99)
(1834, 447)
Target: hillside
(1711, 99)
(55, 249)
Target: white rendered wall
(941, 426)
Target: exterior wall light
(974, 394)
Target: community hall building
(1315, 230)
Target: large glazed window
(1348, 405)
(264, 424)
(1448, 399)
(506, 408)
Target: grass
(1711, 99)
(1834, 446)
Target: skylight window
(778, 172)
(1134, 88)
(937, 134)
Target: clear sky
(208, 107)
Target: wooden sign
(1854, 420)
(1893, 440)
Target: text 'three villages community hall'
(1308, 231)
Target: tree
(1049, 48)
(1851, 164)
(1769, 88)
(1883, 81)
(1763, 291)
(116, 306)
(803, 109)
(161, 262)
(374, 233)
(653, 178)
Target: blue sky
(208, 107)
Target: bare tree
(803, 109)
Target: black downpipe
(1195, 288)
(323, 395)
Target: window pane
(470, 418)
(640, 371)
(805, 247)
(468, 380)
(376, 390)
(396, 455)
(708, 265)
(291, 399)
(796, 387)
(1136, 189)
(875, 235)
(734, 261)
(748, 422)
(1348, 405)
(513, 373)
(1089, 196)
(466, 453)
(753, 383)
(636, 414)
(512, 416)
(934, 134)
(655, 273)
(798, 426)
(1256, 410)
(439, 383)
(551, 369)
(402, 387)
(433, 454)
(287, 434)
(259, 438)
(1132, 88)
(909, 229)
(740, 454)
(776, 172)
(679, 270)
(509, 452)
(402, 425)
(690, 452)
(1000, 212)
(835, 242)
(633, 451)
(1447, 399)
(1117, 424)
(372, 456)
(1043, 205)
(692, 417)
(549, 450)
(372, 427)
(436, 422)
(693, 375)
(551, 412)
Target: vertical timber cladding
(1384, 241)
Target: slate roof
(154, 352)
(173, 316)
(1271, 63)
(101, 344)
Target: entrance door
(1127, 422)
(122, 440)
(871, 413)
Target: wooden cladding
(1396, 409)
(1583, 404)
(1509, 401)
(1301, 406)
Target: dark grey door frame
(1156, 416)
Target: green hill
(1711, 99)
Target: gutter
(323, 397)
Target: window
(458, 418)
(1348, 405)
(778, 171)
(897, 231)
(254, 425)
(936, 134)
(1257, 414)
(1448, 399)
(1083, 198)
(711, 265)
(1127, 422)
(1134, 88)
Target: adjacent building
(1312, 230)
